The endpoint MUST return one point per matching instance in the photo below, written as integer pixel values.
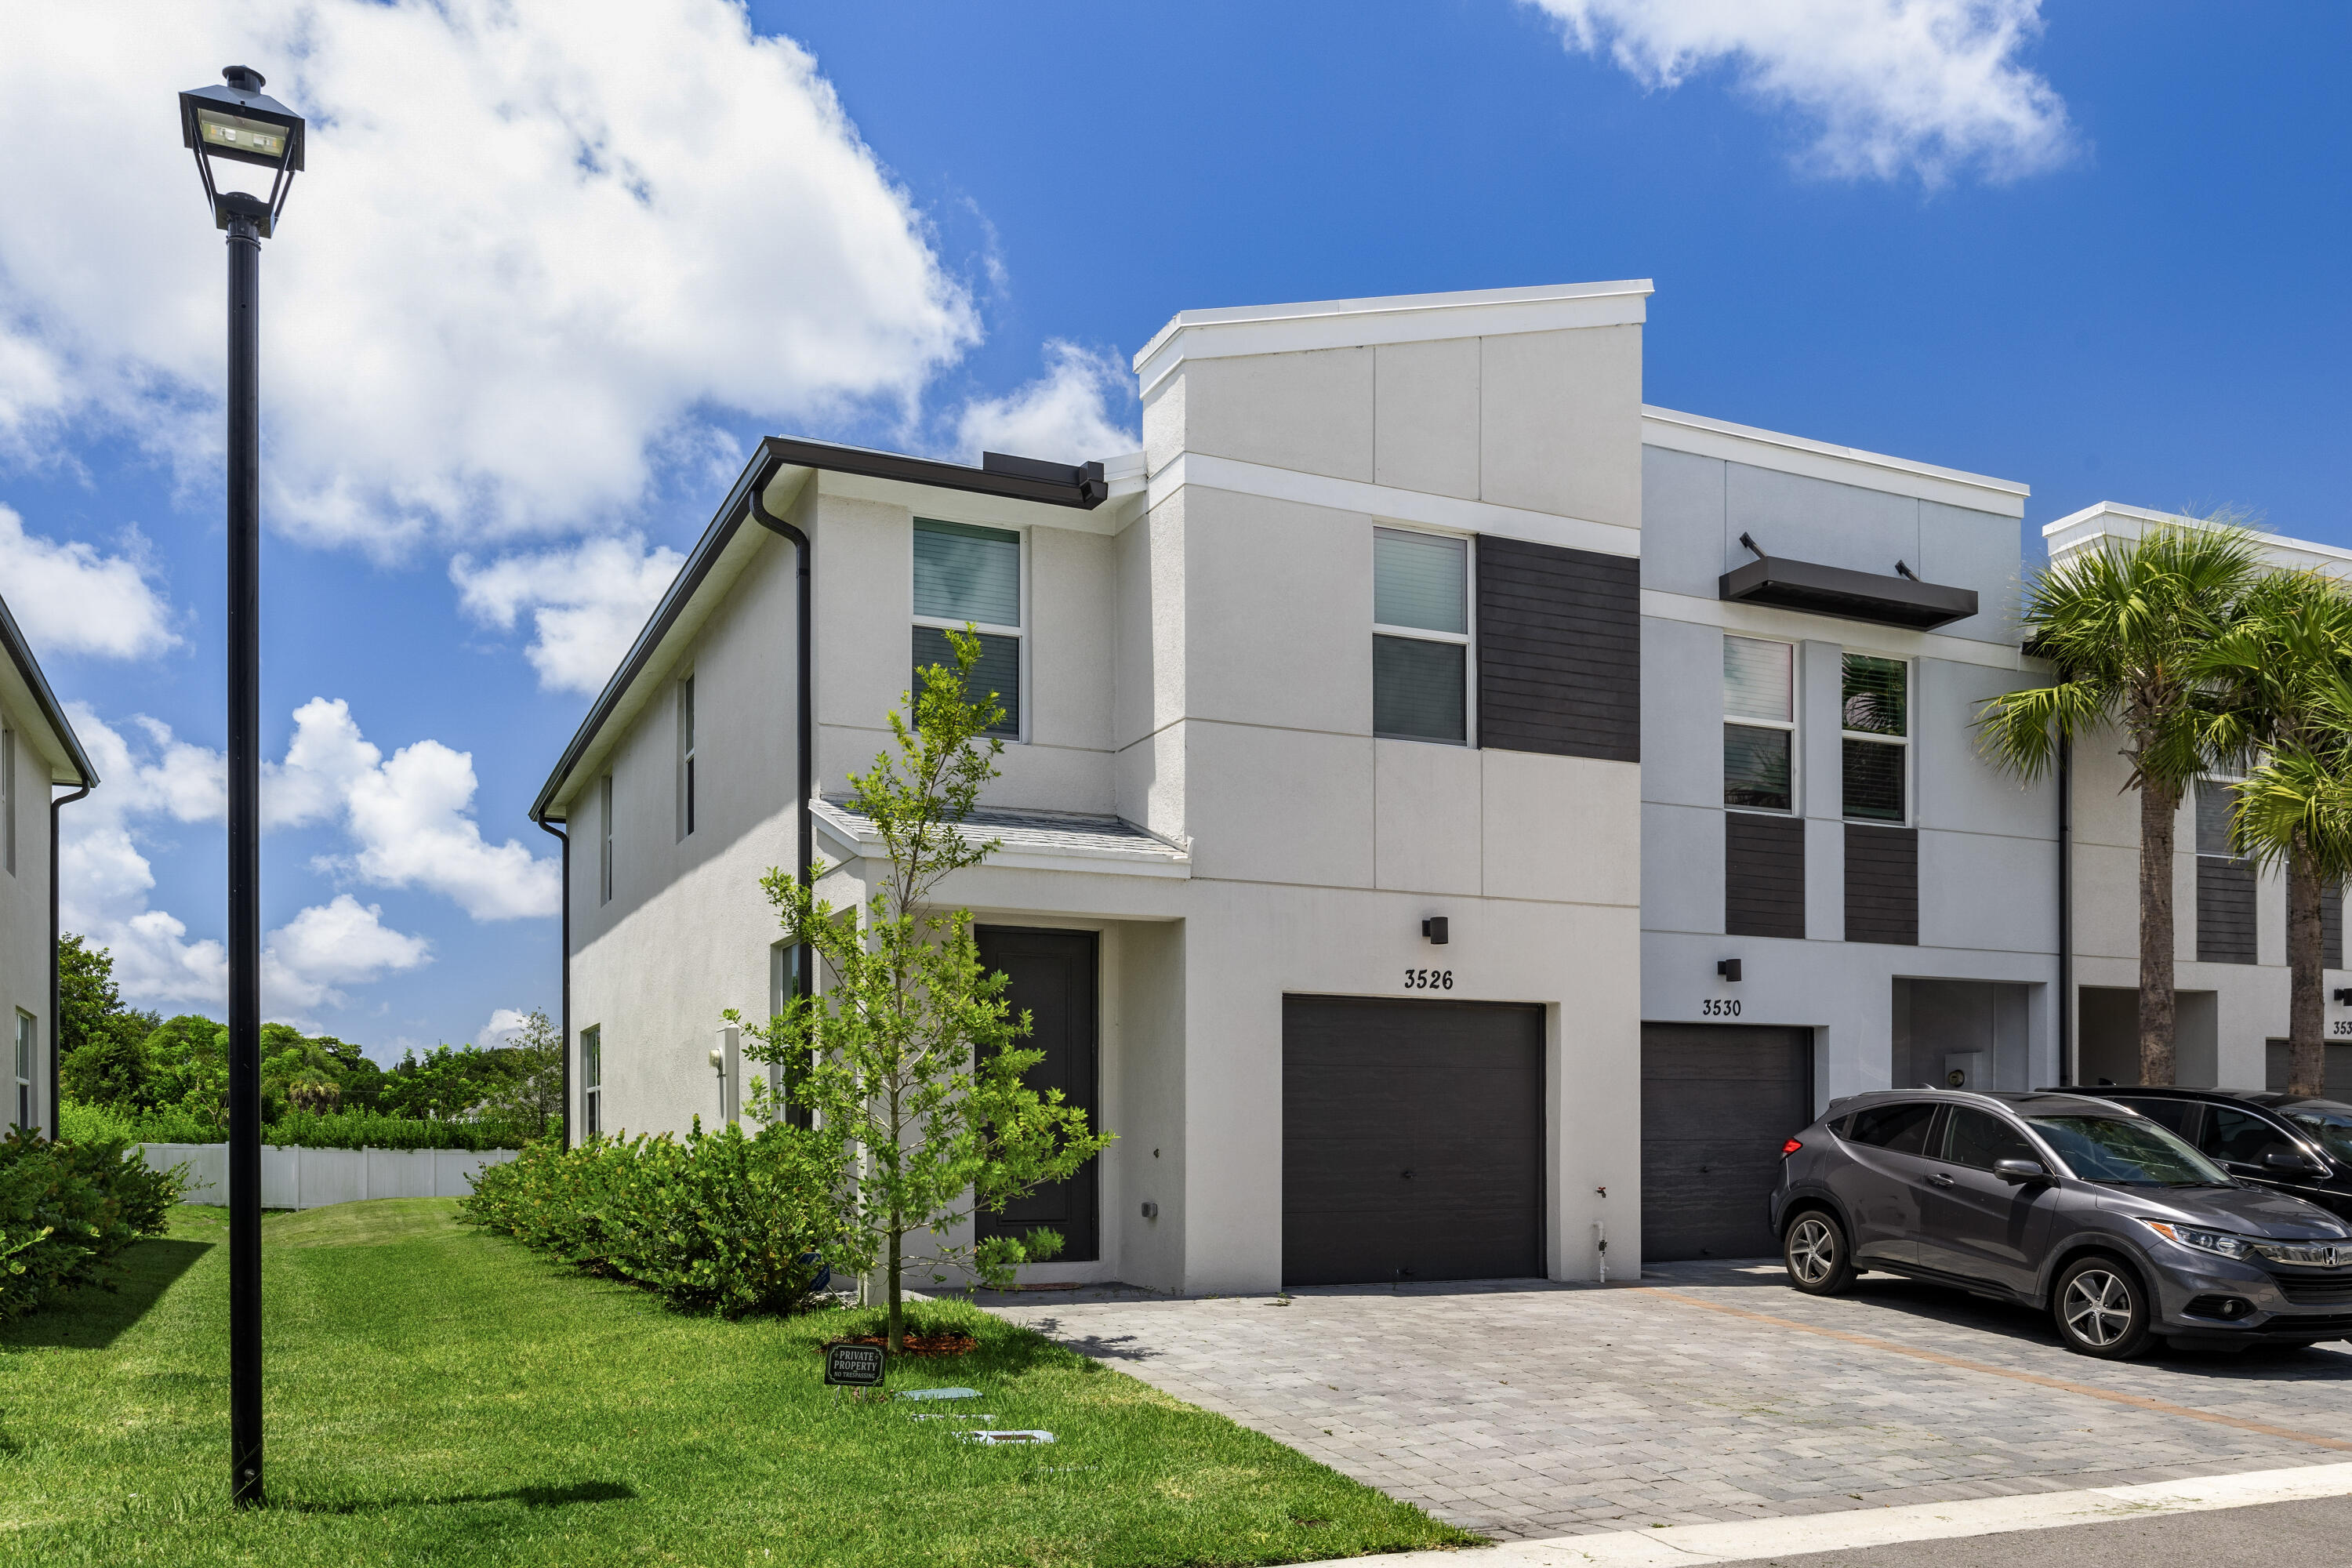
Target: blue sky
(523, 321)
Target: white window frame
(687, 735)
(592, 1095)
(1020, 632)
(1466, 638)
(604, 840)
(1791, 725)
(1910, 717)
(27, 1055)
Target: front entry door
(1050, 975)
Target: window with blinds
(28, 1041)
(968, 576)
(1759, 724)
(2225, 879)
(1875, 711)
(592, 1081)
(1420, 637)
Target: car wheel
(2101, 1307)
(1814, 1248)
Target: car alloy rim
(2098, 1308)
(1813, 1252)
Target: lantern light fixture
(241, 123)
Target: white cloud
(587, 604)
(536, 240)
(1932, 85)
(104, 881)
(410, 818)
(341, 942)
(1072, 413)
(69, 598)
(504, 1024)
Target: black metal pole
(2069, 1065)
(563, 1024)
(245, 861)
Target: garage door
(1717, 1101)
(1412, 1141)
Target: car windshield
(2330, 1125)
(2133, 1153)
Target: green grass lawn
(437, 1396)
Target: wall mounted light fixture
(1729, 968)
(1435, 928)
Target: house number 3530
(1429, 980)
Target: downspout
(564, 834)
(2067, 1073)
(56, 989)
(804, 960)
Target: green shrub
(719, 1223)
(352, 1128)
(67, 1209)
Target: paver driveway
(1708, 1391)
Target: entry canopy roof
(1896, 599)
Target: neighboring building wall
(1986, 846)
(688, 932)
(25, 953)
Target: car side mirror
(2020, 1171)
(2288, 1160)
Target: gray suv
(2064, 1201)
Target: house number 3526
(1429, 980)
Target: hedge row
(353, 1129)
(721, 1222)
(66, 1210)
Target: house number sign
(1429, 980)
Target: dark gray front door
(1412, 1138)
(1050, 975)
(1717, 1101)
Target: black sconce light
(2343, 994)
(1435, 929)
(1727, 967)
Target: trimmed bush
(67, 1209)
(353, 1129)
(718, 1224)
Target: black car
(2299, 1146)
(2058, 1200)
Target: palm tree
(2123, 627)
(2283, 706)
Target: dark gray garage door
(1717, 1101)
(1413, 1139)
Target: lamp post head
(239, 123)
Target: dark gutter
(56, 989)
(564, 834)
(1892, 601)
(2067, 1073)
(804, 867)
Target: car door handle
(1940, 1180)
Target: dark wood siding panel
(1763, 874)
(2225, 909)
(2331, 925)
(1413, 1139)
(1882, 884)
(1559, 650)
(1717, 1101)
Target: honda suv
(2060, 1201)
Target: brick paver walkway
(1524, 1410)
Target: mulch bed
(919, 1344)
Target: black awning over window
(1889, 600)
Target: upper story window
(1420, 637)
(1874, 712)
(604, 839)
(1759, 724)
(2217, 812)
(686, 756)
(972, 576)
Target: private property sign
(854, 1366)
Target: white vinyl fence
(293, 1178)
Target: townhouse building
(38, 754)
(1455, 817)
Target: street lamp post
(236, 122)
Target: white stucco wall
(25, 953)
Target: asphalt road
(2313, 1534)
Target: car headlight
(2202, 1240)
